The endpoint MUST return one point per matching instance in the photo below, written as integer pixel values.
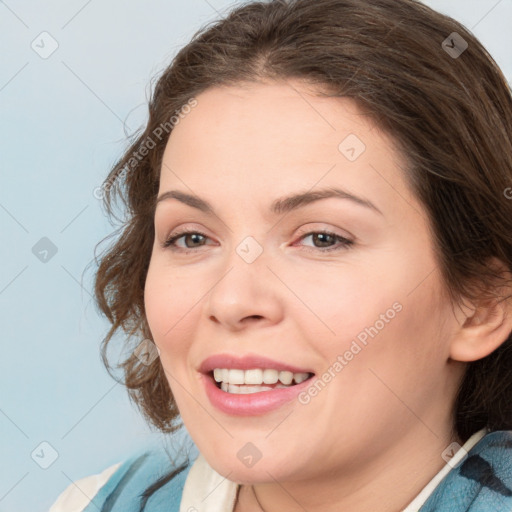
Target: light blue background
(62, 125)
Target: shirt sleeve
(80, 493)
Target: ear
(485, 325)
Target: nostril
(253, 317)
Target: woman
(315, 269)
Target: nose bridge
(246, 266)
(247, 237)
(249, 250)
(247, 287)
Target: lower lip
(252, 403)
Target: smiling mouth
(256, 380)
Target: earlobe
(482, 332)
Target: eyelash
(345, 243)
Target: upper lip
(246, 362)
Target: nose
(246, 293)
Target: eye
(197, 238)
(327, 237)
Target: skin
(373, 437)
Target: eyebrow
(279, 206)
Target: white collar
(206, 490)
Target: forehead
(286, 117)
(245, 138)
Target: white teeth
(253, 376)
(300, 377)
(286, 377)
(256, 376)
(270, 376)
(245, 390)
(236, 377)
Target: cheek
(403, 345)
(344, 303)
(171, 304)
(375, 315)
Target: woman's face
(369, 318)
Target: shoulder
(490, 462)
(77, 495)
(481, 480)
(143, 477)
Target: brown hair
(450, 115)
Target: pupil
(195, 237)
(317, 235)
